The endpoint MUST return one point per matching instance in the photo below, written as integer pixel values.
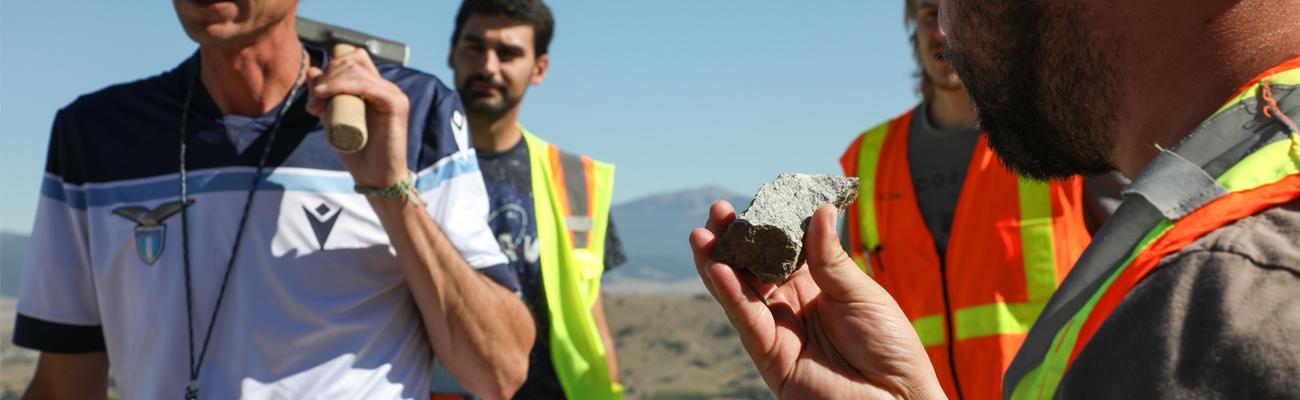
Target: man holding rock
(1189, 290)
(549, 208)
(970, 251)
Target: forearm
(611, 358)
(70, 376)
(480, 330)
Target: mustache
(482, 79)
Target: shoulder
(1268, 240)
(421, 87)
(873, 136)
(133, 98)
(436, 109)
(119, 119)
(1216, 318)
(564, 153)
(880, 130)
(903, 117)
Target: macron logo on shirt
(459, 130)
(322, 219)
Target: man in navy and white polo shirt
(323, 292)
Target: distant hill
(654, 230)
(13, 253)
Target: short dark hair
(534, 12)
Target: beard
(484, 104)
(1045, 87)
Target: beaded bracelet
(403, 189)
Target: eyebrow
(475, 38)
(471, 37)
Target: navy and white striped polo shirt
(317, 306)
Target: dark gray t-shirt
(937, 158)
(1217, 319)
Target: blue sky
(676, 93)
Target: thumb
(832, 268)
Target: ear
(539, 70)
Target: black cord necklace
(192, 390)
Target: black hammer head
(325, 36)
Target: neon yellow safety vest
(571, 201)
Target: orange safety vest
(1267, 177)
(1012, 241)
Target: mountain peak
(692, 198)
(653, 230)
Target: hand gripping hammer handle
(347, 131)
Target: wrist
(401, 190)
(384, 180)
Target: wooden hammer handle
(347, 130)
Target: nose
(490, 64)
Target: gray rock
(767, 239)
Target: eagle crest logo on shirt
(150, 231)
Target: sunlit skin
(244, 38)
(827, 333)
(831, 332)
(1174, 68)
(931, 42)
(950, 107)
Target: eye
(509, 53)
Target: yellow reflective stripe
(1267, 165)
(979, 321)
(868, 158)
(1289, 77)
(1043, 380)
(930, 329)
(1036, 243)
(995, 319)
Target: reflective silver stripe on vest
(1175, 186)
(1215, 146)
(575, 183)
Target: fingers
(359, 57)
(747, 312)
(744, 308)
(703, 239)
(355, 74)
(701, 245)
(315, 105)
(831, 268)
(721, 213)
